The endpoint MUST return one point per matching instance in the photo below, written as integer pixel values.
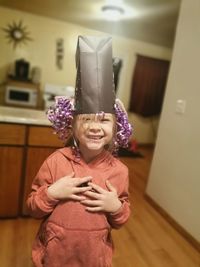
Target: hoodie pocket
(39, 247)
(47, 241)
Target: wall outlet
(180, 106)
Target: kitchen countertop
(23, 116)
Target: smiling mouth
(95, 137)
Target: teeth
(95, 137)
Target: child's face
(93, 131)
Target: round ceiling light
(112, 12)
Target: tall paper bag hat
(94, 82)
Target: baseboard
(151, 145)
(174, 224)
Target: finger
(81, 189)
(97, 188)
(78, 181)
(75, 197)
(83, 184)
(110, 186)
(93, 195)
(70, 175)
(93, 209)
(93, 203)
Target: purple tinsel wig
(62, 112)
(61, 116)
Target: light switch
(180, 106)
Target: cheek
(110, 131)
(84, 126)
(80, 131)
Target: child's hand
(102, 200)
(68, 187)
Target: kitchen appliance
(36, 75)
(21, 94)
(21, 70)
(53, 90)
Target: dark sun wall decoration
(17, 33)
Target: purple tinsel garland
(61, 116)
(124, 128)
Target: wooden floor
(147, 240)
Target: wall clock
(17, 33)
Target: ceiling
(152, 21)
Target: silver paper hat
(94, 82)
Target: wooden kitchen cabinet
(12, 140)
(10, 180)
(23, 149)
(41, 143)
(12, 134)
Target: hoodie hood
(98, 162)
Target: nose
(94, 127)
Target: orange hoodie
(70, 236)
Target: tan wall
(174, 181)
(41, 52)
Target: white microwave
(21, 96)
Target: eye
(106, 120)
(87, 119)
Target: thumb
(110, 186)
(70, 175)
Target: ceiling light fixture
(112, 12)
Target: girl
(81, 191)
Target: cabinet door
(12, 134)
(43, 136)
(35, 158)
(10, 180)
